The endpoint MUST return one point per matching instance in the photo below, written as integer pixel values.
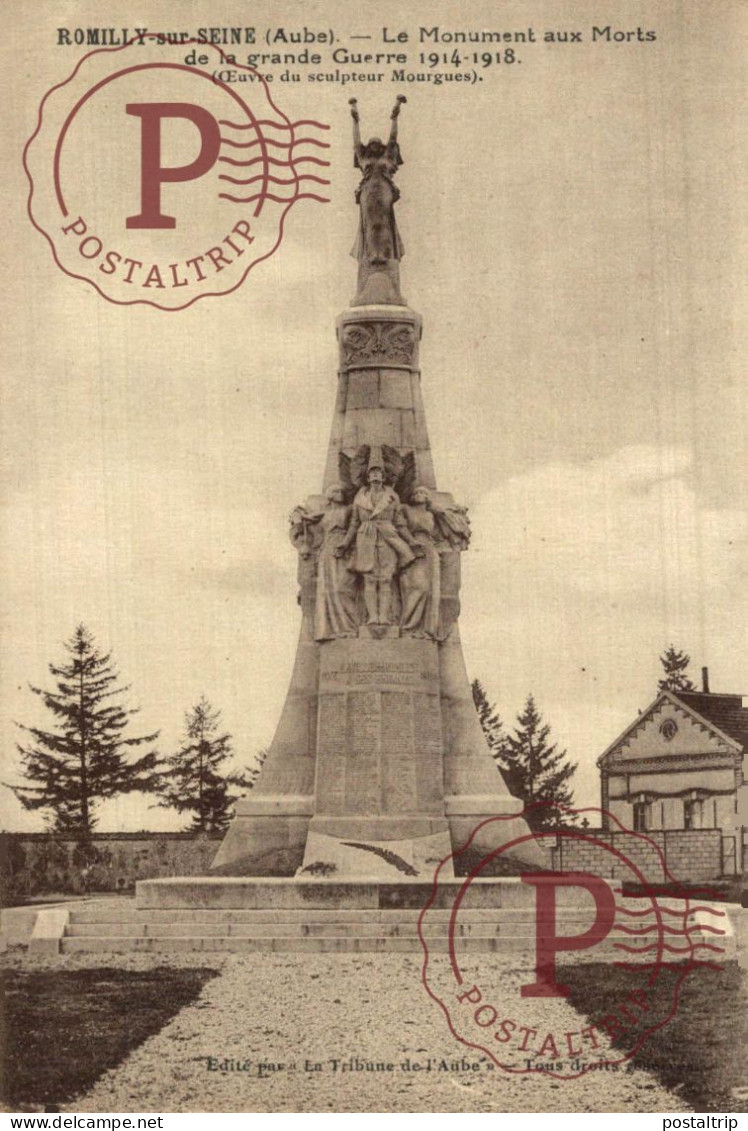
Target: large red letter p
(547, 942)
(152, 175)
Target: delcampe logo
(162, 182)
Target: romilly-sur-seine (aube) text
(433, 53)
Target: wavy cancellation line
(273, 197)
(672, 949)
(272, 161)
(275, 144)
(697, 928)
(275, 180)
(273, 124)
(669, 911)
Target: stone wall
(690, 856)
(40, 863)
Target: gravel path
(303, 1011)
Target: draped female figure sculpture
(335, 606)
(438, 528)
(318, 535)
(378, 247)
(420, 584)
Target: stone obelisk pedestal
(379, 768)
(379, 787)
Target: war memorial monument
(379, 770)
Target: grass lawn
(63, 1028)
(703, 1051)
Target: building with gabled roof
(680, 765)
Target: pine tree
(535, 771)
(489, 719)
(674, 665)
(253, 772)
(83, 761)
(196, 783)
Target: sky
(572, 233)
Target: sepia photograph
(374, 684)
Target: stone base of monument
(401, 774)
(280, 837)
(263, 914)
(361, 854)
(360, 895)
(234, 914)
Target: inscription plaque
(379, 741)
(363, 788)
(331, 756)
(378, 673)
(398, 762)
(428, 752)
(397, 751)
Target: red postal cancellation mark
(510, 997)
(159, 182)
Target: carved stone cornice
(376, 336)
(370, 344)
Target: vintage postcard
(374, 545)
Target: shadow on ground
(702, 1052)
(64, 1028)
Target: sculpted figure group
(377, 557)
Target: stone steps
(478, 930)
(102, 928)
(285, 916)
(317, 944)
(102, 923)
(97, 914)
(196, 920)
(270, 930)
